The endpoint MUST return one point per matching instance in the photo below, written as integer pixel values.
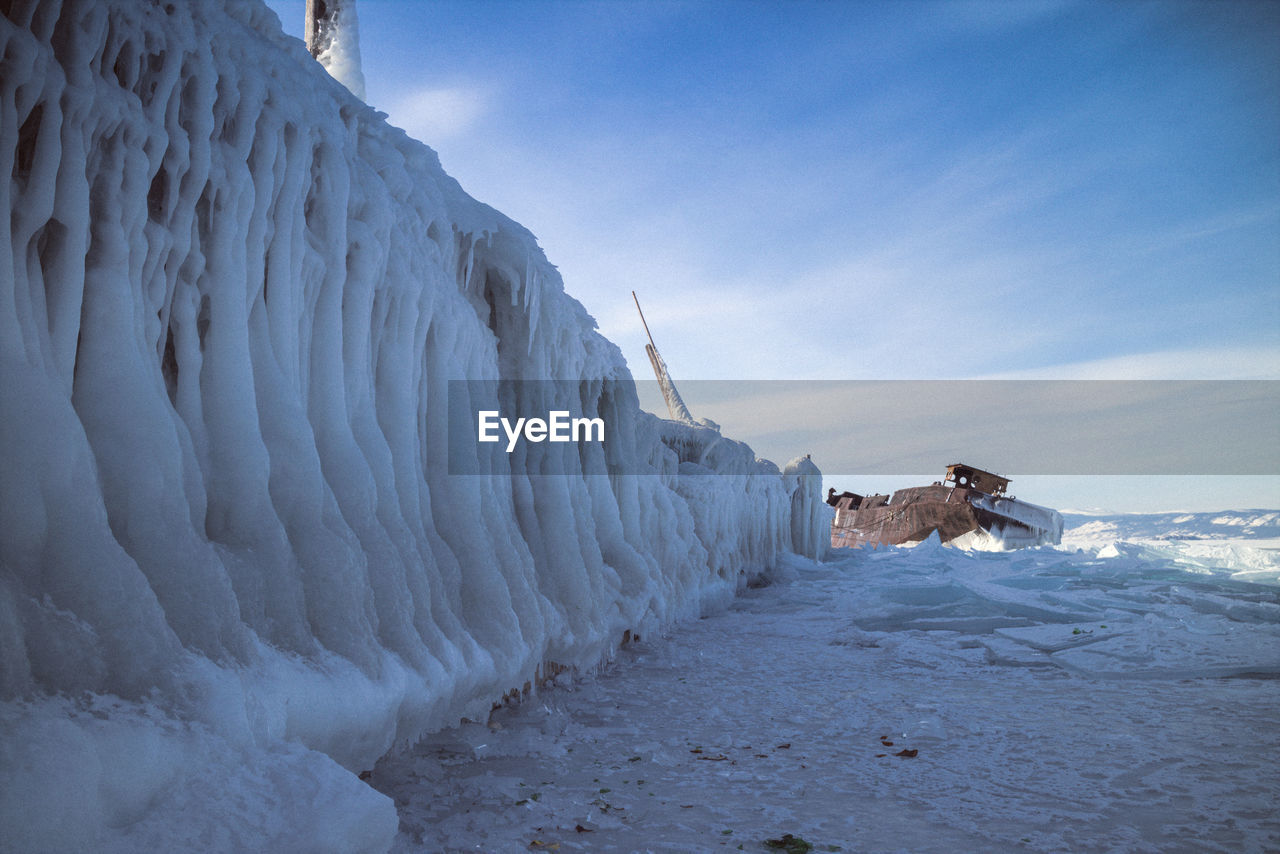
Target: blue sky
(874, 190)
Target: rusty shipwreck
(968, 508)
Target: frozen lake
(1098, 696)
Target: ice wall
(233, 567)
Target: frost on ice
(233, 567)
(333, 37)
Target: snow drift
(233, 566)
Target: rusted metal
(952, 509)
(972, 478)
(643, 321)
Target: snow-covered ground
(1098, 696)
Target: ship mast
(675, 404)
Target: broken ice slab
(1056, 637)
(1005, 651)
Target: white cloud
(1261, 362)
(438, 113)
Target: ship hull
(958, 514)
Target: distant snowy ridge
(1176, 526)
(232, 562)
(1245, 543)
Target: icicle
(468, 265)
(532, 300)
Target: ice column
(333, 37)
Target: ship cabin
(959, 474)
(854, 501)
